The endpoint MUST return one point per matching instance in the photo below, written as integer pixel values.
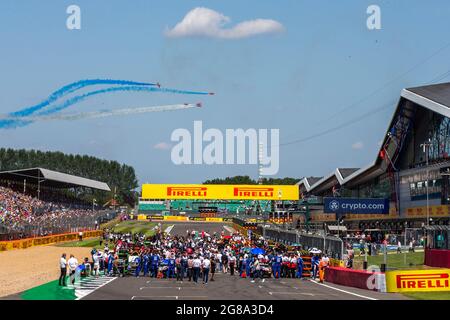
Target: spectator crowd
(28, 216)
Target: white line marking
(104, 284)
(179, 288)
(169, 229)
(176, 297)
(229, 229)
(348, 292)
(302, 293)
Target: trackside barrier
(333, 246)
(437, 258)
(175, 218)
(375, 281)
(418, 280)
(26, 243)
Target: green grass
(444, 295)
(89, 243)
(414, 260)
(124, 227)
(134, 226)
(49, 291)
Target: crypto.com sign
(236, 146)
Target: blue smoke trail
(125, 86)
(71, 88)
(80, 98)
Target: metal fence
(61, 225)
(330, 245)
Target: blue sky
(301, 80)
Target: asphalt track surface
(227, 287)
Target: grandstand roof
(337, 176)
(308, 182)
(52, 179)
(434, 97)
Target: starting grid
(86, 286)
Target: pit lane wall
(40, 241)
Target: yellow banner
(39, 241)
(392, 215)
(220, 192)
(214, 219)
(418, 280)
(434, 211)
(175, 218)
(142, 217)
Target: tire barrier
(39, 241)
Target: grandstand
(147, 206)
(412, 164)
(37, 202)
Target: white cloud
(162, 146)
(209, 23)
(358, 145)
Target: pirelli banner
(219, 192)
(418, 280)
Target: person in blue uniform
(276, 266)
(138, 266)
(171, 269)
(110, 263)
(154, 261)
(248, 266)
(315, 265)
(299, 267)
(146, 262)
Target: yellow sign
(175, 218)
(142, 217)
(26, 243)
(418, 280)
(392, 215)
(220, 192)
(434, 211)
(214, 219)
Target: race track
(180, 228)
(225, 286)
(228, 287)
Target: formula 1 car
(122, 263)
(162, 270)
(266, 270)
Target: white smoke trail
(104, 113)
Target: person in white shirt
(206, 265)
(73, 264)
(196, 264)
(219, 259)
(63, 267)
(96, 260)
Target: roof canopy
(434, 97)
(53, 179)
